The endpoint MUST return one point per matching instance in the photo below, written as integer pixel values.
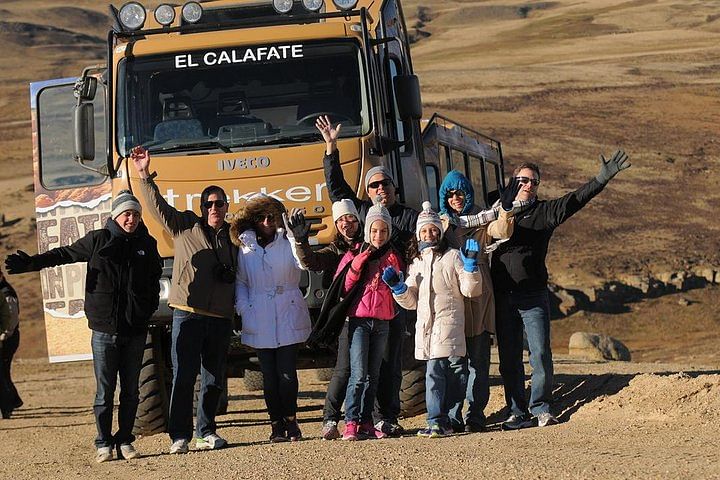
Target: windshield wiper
(291, 139)
(190, 146)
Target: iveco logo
(244, 163)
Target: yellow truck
(227, 92)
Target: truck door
(449, 146)
(70, 201)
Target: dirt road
(618, 421)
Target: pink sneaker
(351, 431)
(368, 430)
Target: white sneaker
(104, 454)
(210, 442)
(546, 419)
(128, 452)
(179, 446)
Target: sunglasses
(384, 182)
(525, 180)
(217, 203)
(456, 193)
(265, 217)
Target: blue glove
(469, 255)
(394, 280)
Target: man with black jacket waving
(122, 288)
(519, 276)
(378, 183)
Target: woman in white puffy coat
(437, 283)
(275, 317)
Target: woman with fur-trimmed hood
(275, 317)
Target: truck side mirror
(85, 89)
(407, 95)
(84, 123)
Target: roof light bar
(132, 16)
(192, 12)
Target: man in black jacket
(121, 293)
(520, 276)
(378, 182)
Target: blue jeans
(390, 381)
(280, 381)
(199, 345)
(478, 382)
(530, 310)
(445, 382)
(114, 355)
(368, 339)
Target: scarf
(334, 309)
(491, 214)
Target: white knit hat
(377, 212)
(428, 216)
(344, 207)
(124, 201)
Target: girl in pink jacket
(368, 319)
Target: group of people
(468, 273)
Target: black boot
(278, 432)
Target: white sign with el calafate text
(238, 55)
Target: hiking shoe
(391, 429)
(210, 442)
(104, 454)
(434, 431)
(474, 427)
(457, 427)
(546, 419)
(351, 431)
(278, 432)
(516, 422)
(292, 430)
(368, 430)
(127, 451)
(179, 446)
(330, 430)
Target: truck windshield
(239, 97)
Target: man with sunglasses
(520, 276)
(378, 183)
(202, 295)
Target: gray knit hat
(374, 171)
(377, 212)
(124, 201)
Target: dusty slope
(628, 424)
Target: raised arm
(566, 206)
(79, 251)
(337, 187)
(171, 219)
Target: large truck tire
(412, 391)
(324, 374)
(154, 384)
(253, 380)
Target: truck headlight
(312, 5)
(192, 12)
(282, 6)
(345, 4)
(132, 16)
(165, 14)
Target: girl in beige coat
(438, 281)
